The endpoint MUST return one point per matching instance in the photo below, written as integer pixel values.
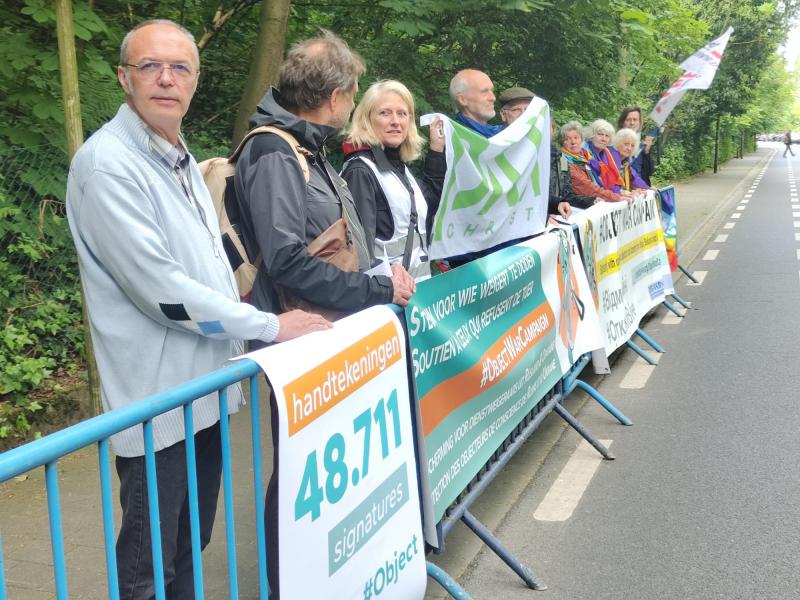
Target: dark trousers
(134, 550)
(271, 507)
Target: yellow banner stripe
(612, 263)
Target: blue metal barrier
(49, 449)
(571, 382)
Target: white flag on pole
(700, 69)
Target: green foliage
(42, 334)
(588, 58)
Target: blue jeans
(134, 550)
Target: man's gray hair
(123, 49)
(458, 86)
(313, 69)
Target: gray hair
(599, 126)
(123, 49)
(570, 126)
(458, 86)
(313, 69)
(626, 134)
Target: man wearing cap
(513, 103)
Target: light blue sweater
(161, 297)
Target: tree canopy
(588, 58)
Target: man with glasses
(513, 103)
(161, 297)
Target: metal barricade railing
(48, 450)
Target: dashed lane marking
(729, 225)
(563, 496)
(711, 255)
(700, 276)
(637, 375)
(721, 238)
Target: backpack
(218, 174)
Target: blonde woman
(391, 202)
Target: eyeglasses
(150, 71)
(516, 111)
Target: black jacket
(373, 208)
(281, 214)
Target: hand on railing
(295, 323)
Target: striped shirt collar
(172, 155)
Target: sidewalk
(23, 503)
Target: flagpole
(716, 147)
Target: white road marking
(729, 225)
(721, 238)
(711, 255)
(798, 253)
(736, 215)
(700, 276)
(741, 207)
(744, 202)
(638, 374)
(795, 215)
(796, 224)
(563, 496)
(797, 237)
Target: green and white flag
(495, 189)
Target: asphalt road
(702, 501)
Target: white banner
(349, 514)
(626, 263)
(495, 189)
(579, 325)
(700, 69)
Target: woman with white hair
(396, 209)
(626, 141)
(643, 159)
(577, 156)
(603, 168)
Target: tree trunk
(622, 61)
(68, 65)
(267, 58)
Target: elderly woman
(562, 196)
(626, 141)
(602, 166)
(396, 209)
(631, 118)
(577, 156)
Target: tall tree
(266, 60)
